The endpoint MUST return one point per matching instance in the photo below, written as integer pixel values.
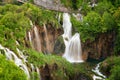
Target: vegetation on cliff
(111, 67)
(15, 21)
(9, 71)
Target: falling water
(46, 38)
(13, 57)
(30, 39)
(73, 51)
(37, 38)
(38, 72)
(32, 70)
(29, 36)
(100, 75)
(20, 60)
(17, 43)
(67, 26)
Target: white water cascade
(10, 55)
(21, 61)
(73, 51)
(100, 75)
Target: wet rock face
(59, 46)
(46, 38)
(100, 48)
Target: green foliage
(77, 4)
(108, 22)
(111, 65)
(93, 24)
(116, 15)
(115, 73)
(116, 3)
(9, 71)
(15, 21)
(104, 6)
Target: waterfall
(46, 38)
(37, 43)
(67, 26)
(100, 75)
(38, 72)
(30, 38)
(37, 38)
(73, 51)
(19, 62)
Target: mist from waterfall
(73, 51)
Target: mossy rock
(59, 47)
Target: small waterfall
(19, 62)
(37, 38)
(35, 69)
(100, 75)
(73, 51)
(38, 72)
(32, 70)
(46, 38)
(30, 39)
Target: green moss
(9, 71)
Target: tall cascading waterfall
(73, 51)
